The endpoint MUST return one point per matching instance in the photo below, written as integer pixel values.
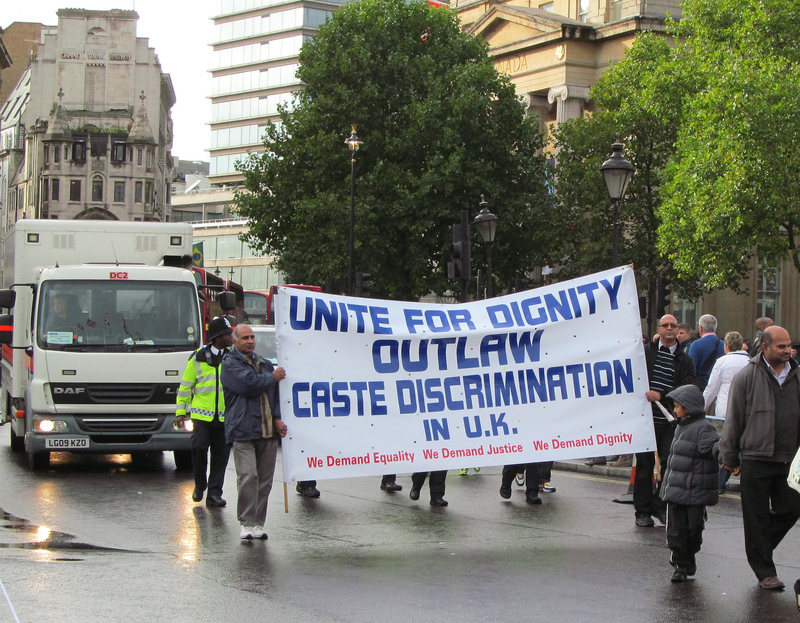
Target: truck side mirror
(6, 329)
(8, 298)
(227, 301)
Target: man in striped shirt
(668, 366)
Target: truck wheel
(38, 461)
(17, 441)
(183, 460)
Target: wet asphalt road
(102, 539)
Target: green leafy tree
(638, 102)
(440, 128)
(732, 188)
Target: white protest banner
(379, 387)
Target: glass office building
(256, 47)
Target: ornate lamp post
(353, 142)
(617, 172)
(486, 222)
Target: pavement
(624, 473)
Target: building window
(139, 157)
(54, 189)
(56, 154)
(769, 292)
(148, 191)
(137, 195)
(97, 189)
(119, 192)
(118, 152)
(615, 10)
(149, 157)
(45, 188)
(686, 311)
(46, 154)
(74, 190)
(583, 11)
(79, 151)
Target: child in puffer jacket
(690, 480)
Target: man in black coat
(668, 367)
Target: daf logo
(69, 390)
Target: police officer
(201, 394)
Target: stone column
(539, 106)
(570, 101)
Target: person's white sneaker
(246, 532)
(258, 532)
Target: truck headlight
(50, 426)
(188, 425)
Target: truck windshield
(89, 315)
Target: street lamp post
(353, 142)
(486, 222)
(617, 172)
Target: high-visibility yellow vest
(200, 393)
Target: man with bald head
(762, 323)
(253, 427)
(763, 423)
(668, 366)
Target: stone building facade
(87, 133)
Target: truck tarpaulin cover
(377, 387)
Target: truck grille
(120, 424)
(120, 439)
(120, 394)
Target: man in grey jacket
(763, 423)
(253, 426)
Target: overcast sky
(179, 31)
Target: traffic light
(364, 285)
(663, 296)
(460, 267)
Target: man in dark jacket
(690, 481)
(763, 423)
(668, 367)
(253, 426)
(201, 397)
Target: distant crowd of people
(719, 407)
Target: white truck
(103, 318)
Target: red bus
(274, 290)
(256, 306)
(209, 286)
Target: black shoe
(662, 517)
(414, 494)
(391, 487)
(438, 502)
(600, 460)
(644, 520)
(215, 500)
(310, 492)
(691, 569)
(505, 492)
(797, 593)
(197, 495)
(533, 499)
(679, 576)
